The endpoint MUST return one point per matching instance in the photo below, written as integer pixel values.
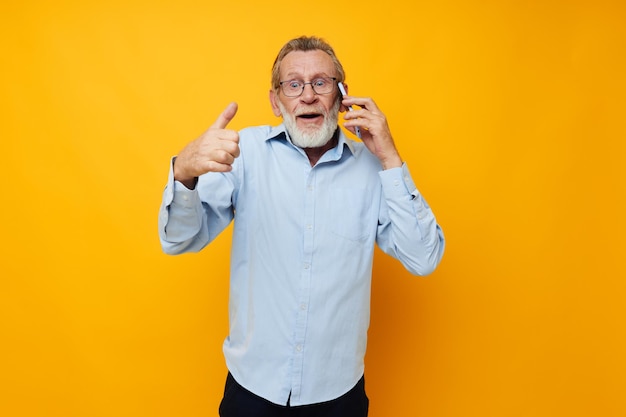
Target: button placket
(305, 282)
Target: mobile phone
(342, 89)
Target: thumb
(226, 116)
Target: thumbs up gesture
(214, 151)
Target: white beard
(311, 138)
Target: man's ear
(274, 103)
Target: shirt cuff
(176, 193)
(184, 197)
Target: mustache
(309, 110)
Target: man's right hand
(214, 151)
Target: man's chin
(309, 127)
(306, 141)
(310, 138)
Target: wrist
(395, 162)
(179, 175)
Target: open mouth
(310, 116)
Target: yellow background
(510, 115)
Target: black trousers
(239, 402)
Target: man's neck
(314, 154)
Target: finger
(363, 102)
(226, 116)
(216, 161)
(223, 157)
(227, 135)
(214, 166)
(231, 146)
(354, 114)
(361, 115)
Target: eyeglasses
(295, 88)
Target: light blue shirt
(301, 260)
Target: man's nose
(308, 94)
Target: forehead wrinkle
(314, 63)
(298, 76)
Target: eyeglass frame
(334, 83)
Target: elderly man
(308, 206)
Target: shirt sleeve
(187, 221)
(407, 229)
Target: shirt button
(302, 306)
(307, 266)
(396, 183)
(299, 348)
(185, 198)
(309, 226)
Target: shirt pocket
(350, 213)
